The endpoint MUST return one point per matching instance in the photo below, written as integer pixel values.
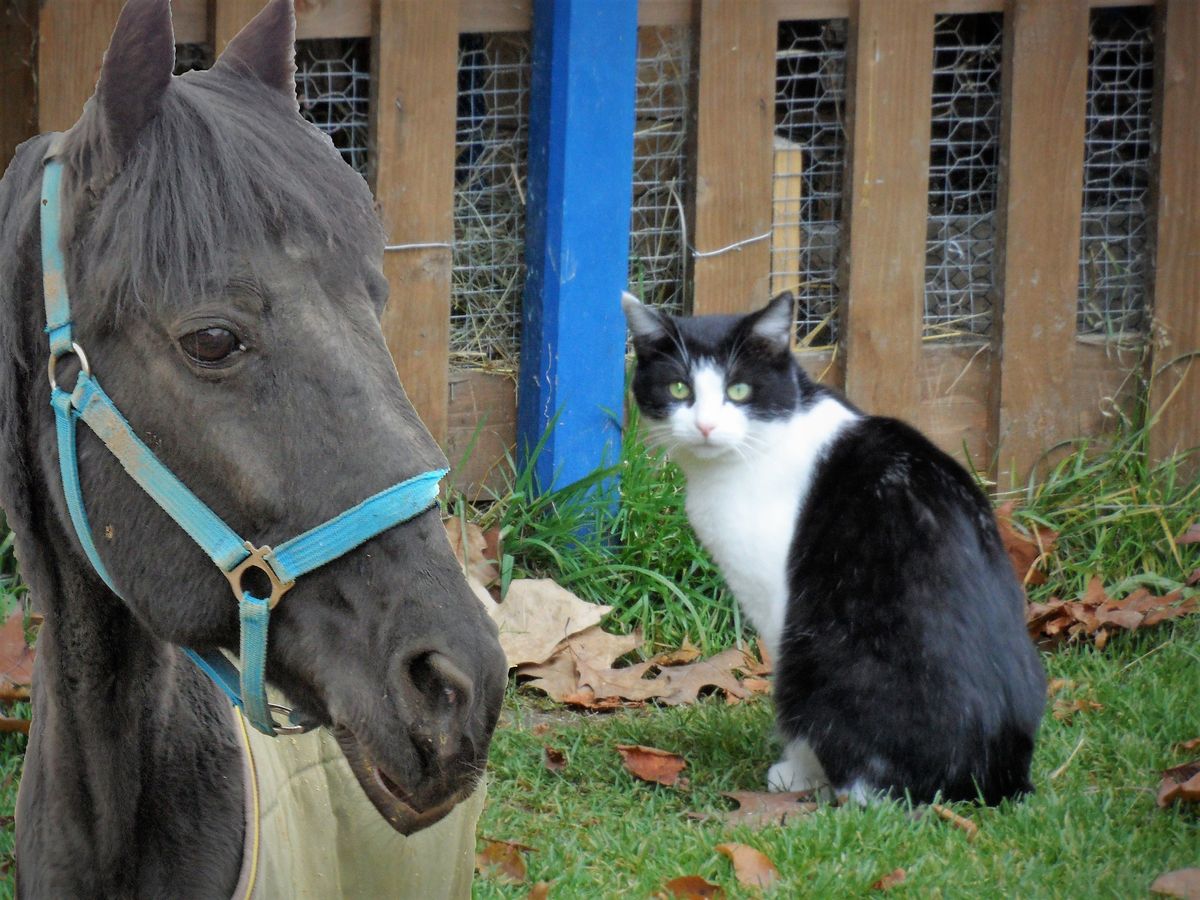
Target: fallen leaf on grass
(471, 548)
(536, 615)
(1065, 710)
(691, 887)
(540, 891)
(889, 881)
(751, 867)
(757, 685)
(1025, 551)
(554, 759)
(1058, 684)
(685, 654)
(1095, 615)
(651, 764)
(1191, 534)
(685, 682)
(16, 659)
(759, 809)
(960, 822)
(1183, 883)
(502, 860)
(1180, 784)
(1188, 746)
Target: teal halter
(232, 555)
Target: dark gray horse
(225, 269)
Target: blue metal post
(577, 235)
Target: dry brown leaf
(691, 887)
(759, 809)
(554, 759)
(684, 683)
(1058, 684)
(751, 867)
(16, 658)
(626, 683)
(1025, 551)
(757, 685)
(540, 891)
(890, 880)
(651, 764)
(471, 549)
(1065, 710)
(557, 676)
(599, 649)
(502, 860)
(1191, 534)
(961, 822)
(1183, 883)
(1188, 746)
(1180, 784)
(537, 615)
(685, 654)
(1095, 615)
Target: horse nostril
(441, 686)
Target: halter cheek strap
(231, 554)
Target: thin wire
(425, 245)
(736, 245)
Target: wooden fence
(1006, 398)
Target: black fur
(905, 641)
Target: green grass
(1092, 831)
(637, 554)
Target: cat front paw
(798, 771)
(783, 777)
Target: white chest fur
(744, 507)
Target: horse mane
(227, 167)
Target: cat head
(708, 386)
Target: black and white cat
(867, 559)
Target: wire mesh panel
(192, 57)
(657, 240)
(492, 141)
(810, 155)
(333, 84)
(1114, 251)
(960, 282)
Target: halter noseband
(232, 555)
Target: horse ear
(266, 49)
(773, 323)
(136, 71)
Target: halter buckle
(258, 560)
(74, 350)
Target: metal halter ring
(286, 713)
(258, 560)
(75, 350)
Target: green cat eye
(738, 392)
(679, 390)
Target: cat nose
(705, 428)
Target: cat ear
(135, 73)
(265, 49)
(773, 324)
(645, 324)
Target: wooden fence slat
(72, 38)
(18, 78)
(1176, 329)
(888, 128)
(414, 61)
(1045, 60)
(229, 17)
(734, 156)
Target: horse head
(225, 267)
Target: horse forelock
(225, 170)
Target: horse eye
(210, 346)
(739, 392)
(679, 390)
